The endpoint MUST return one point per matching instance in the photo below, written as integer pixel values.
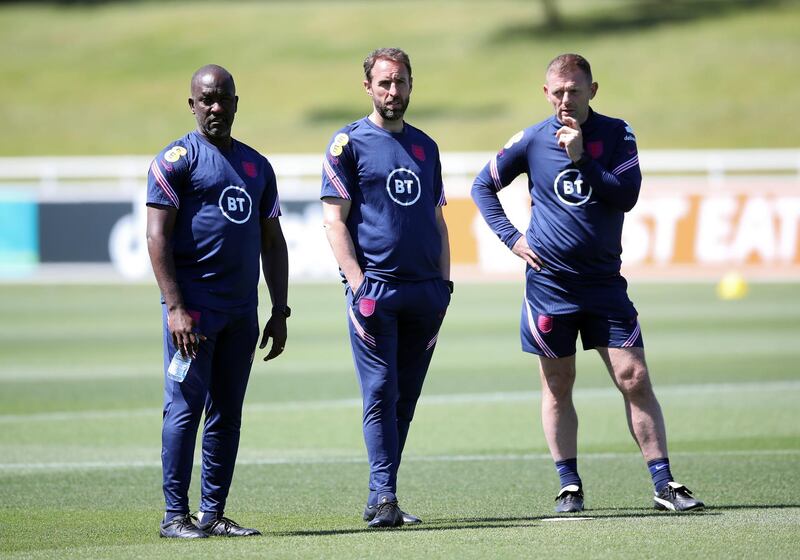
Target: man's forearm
(164, 269)
(344, 252)
(275, 263)
(444, 258)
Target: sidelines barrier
(700, 213)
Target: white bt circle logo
(571, 189)
(236, 204)
(403, 186)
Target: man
(212, 213)
(382, 199)
(583, 175)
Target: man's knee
(558, 377)
(558, 382)
(634, 380)
(378, 401)
(224, 422)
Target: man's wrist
(282, 310)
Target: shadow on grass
(457, 524)
(632, 17)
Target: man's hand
(181, 325)
(523, 251)
(356, 284)
(275, 329)
(570, 137)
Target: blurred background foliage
(112, 77)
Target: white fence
(58, 176)
(700, 213)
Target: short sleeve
(338, 168)
(167, 175)
(438, 185)
(270, 201)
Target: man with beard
(382, 198)
(212, 216)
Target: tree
(552, 16)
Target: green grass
(80, 390)
(112, 78)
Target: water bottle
(179, 367)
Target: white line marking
(18, 468)
(431, 400)
(565, 519)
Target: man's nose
(216, 107)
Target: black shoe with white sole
(570, 499)
(676, 497)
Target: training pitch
(80, 395)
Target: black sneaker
(408, 519)
(570, 499)
(224, 527)
(387, 514)
(181, 527)
(676, 497)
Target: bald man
(212, 215)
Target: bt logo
(403, 186)
(235, 204)
(571, 189)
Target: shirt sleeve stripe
(442, 200)
(495, 174)
(432, 342)
(276, 209)
(164, 184)
(334, 179)
(626, 165)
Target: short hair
(390, 53)
(212, 69)
(569, 61)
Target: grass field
(80, 390)
(99, 78)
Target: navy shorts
(556, 310)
